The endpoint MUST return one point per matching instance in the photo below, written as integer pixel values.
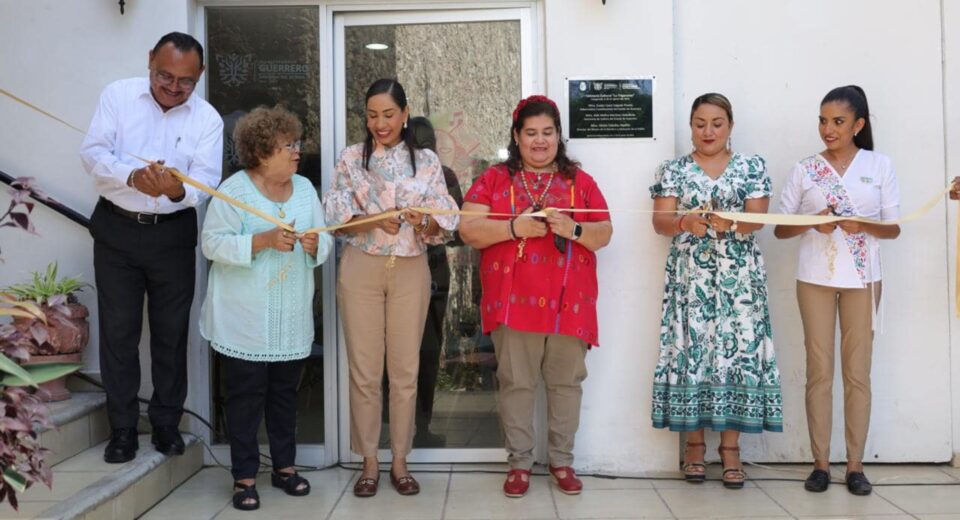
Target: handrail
(66, 211)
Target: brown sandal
(366, 487)
(733, 478)
(694, 472)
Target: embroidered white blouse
(870, 183)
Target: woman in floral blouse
(717, 367)
(384, 283)
(539, 285)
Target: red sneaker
(517, 483)
(569, 483)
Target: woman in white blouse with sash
(838, 272)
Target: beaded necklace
(536, 201)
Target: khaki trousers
(383, 310)
(522, 359)
(819, 308)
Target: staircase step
(79, 423)
(86, 487)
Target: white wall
(622, 38)
(951, 51)
(59, 56)
(775, 60)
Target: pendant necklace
(536, 201)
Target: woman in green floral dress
(717, 367)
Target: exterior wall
(776, 64)
(951, 111)
(632, 39)
(775, 60)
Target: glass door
(464, 70)
(270, 55)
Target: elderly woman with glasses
(539, 281)
(258, 312)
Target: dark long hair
(857, 99)
(396, 92)
(537, 106)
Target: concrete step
(86, 487)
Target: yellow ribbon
(754, 218)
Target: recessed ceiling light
(377, 46)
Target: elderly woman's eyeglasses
(294, 146)
(166, 79)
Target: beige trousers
(383, 310)
(819, 308)
(522, 359)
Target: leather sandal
(569, 484)
(695, 472)
(291, 483)
(366, 487)
(242, 493)
(405, 485)
(733, 478)
(517, 483)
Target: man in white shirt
(145, 233)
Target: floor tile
(591, 483)
(923, 499)
(92, 459)
(612, 503)
(718, 502)
(836, 501)
(388, 504)
(475, 496)
(950, 516)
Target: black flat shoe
(858, 484)
(122, 446)
(167, 440)
(817, 482)
(291, 483)
(242, 493)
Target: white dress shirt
(129, 121)
(871, 182)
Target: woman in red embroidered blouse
(539, 283)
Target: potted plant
(22, 459)
(62, 336)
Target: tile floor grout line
(446, 494)
(339, 498)
(553, 498)
(941, 470)
(885, 499)
(775, 501)
(665, 504)
(222, 509)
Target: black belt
(141, 217)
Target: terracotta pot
(65, 334)
(56, 390)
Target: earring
(404, 124)
(729, 144)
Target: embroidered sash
(833, 190)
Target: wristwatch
(577, 231)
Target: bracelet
(513, 233)
(680, 223)
(132, 178)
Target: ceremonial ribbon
(754, 218)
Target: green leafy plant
(22, 459)
(46, 287)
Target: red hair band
(537, 98)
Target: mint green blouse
(260, 308)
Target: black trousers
(130, 260)
(256, 389)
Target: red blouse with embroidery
(546, 291)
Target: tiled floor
(461, 493)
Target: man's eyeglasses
(166, 79)
(294, 146)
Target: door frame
(531, 82)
